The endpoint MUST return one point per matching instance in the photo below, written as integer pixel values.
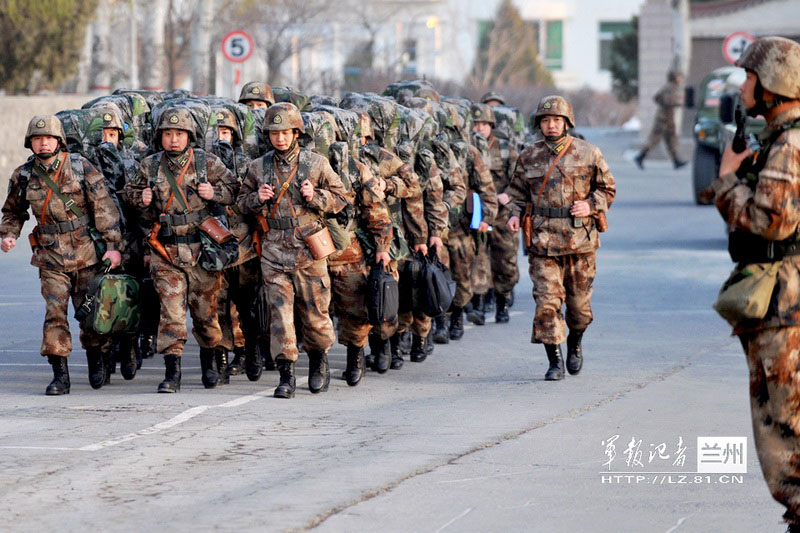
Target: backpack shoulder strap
(200, 165)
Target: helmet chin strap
(47, 155)
(556, 138)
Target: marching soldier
(668, 98)
(177, 189)
(256, 95)
(762, 210)
(66, 194)
(293, 189)
(563, 184)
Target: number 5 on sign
(237, 46)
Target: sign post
(237, 47)
(735, 44)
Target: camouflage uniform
(561, 256)
(291, 274)
(179, 280)
(669, 97)
(764, 215)
(65, 254)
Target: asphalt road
(471, 440)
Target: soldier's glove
(224, 150)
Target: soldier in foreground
(668, 98)
(66, 194)
(293, 189)
(564, 187)
(762, 210)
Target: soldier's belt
(186, 218)
(552, 212)
(65, 227)
(180, 239)
(290, 222)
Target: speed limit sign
(237, 46)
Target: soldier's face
(283, 139)
(111, 135)
(256, 104)
(174, 140)
(552, 125)
(747, 90)
(44, 144)
(224, 133)
(484, 128)
(493, 103)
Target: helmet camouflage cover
(554, 105)
(226, 119)
(777, 62)
(283, 116)
(257, 90)
(45, 125)
(111, 118)
(483, 113)
(491, 95)
(177, 118)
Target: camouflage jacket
(668, 98)
(479, 180)
(403, 192)
(285, 249)
(80, 182)
(453, 183)
(152, 174)
(502, 158)
(582, 174)
(770, 210)
(240, 225)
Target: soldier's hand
(731, 161)
(382, 257)
(307, 190)
(421, 248)
(206, 191)
(8, 243)
(265, 192)
(114, 256)
(580, 209)
(513, 224)
(503, 198)
(483, 228)
(147, 196)
(435, 241)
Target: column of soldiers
(434, 180)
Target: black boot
(172, 374)
(441, 329)
(237, 363)
(286, 385)
(429, 343)
(556, 370)
(418, 352)
(510, 299)
(501, 313)
(456, 323)
(677, 163)
(319, 372)
(97, 370)
(208, 368)
(383, 358)
(404, 346)
(574, 352)
(489, 300)
(375, 347)
(355, 365)
(477, 316)
(128, 363)
(394, 345)
(266, 354)
(221, 355)
(60, 383)
(253, 364)
(639, 159)
(146, 344)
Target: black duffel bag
(383, 296)
(437, 284)
(412, 297)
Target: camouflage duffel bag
(111, 304)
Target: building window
(609, 30)
(410, 56)
(554, 50)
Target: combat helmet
(176, 118)
(111, 118)
(257, 90)
(226, 119)
(554, 105)
(491, 95)
(776, 61)
(483, 113)
(45, 125)
(283, 116)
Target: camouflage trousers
(663, 129)
(420, 324)
(57, 288)
(482, 265)
(349, 300)
(503, 250)
(461, 247)
(180, 288)
(309, 289)
(558, 280)
(772, 358)
(235, 301)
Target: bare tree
(152, 59)
(201, 46)
(100, 70)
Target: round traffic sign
(734, 45)
(237, 46)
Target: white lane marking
(676, 526)
(448, 524)
(37, 448)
